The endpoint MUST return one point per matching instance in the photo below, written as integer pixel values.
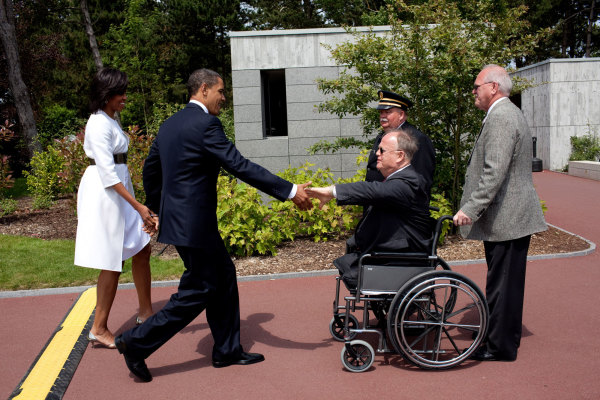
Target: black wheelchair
(434, 317)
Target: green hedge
(585, 148)
(247, 224)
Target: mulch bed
(60, 222)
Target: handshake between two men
(305, 193)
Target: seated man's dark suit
(423, 161)
(396, 218)
(180, 179)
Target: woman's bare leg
(105, 295)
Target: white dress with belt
(109, 230)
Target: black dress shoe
(136, 366)
(242, 359)
(482, 354)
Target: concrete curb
(285, 275)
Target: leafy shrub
(248, 226)
(7, 207)
(43, 178)
(585, 148)
(58, 122)
(160, 113)
(544, 206)
(74, 162)
(444, 208)
(139, 146)
(244, 219)
(66, 161)
(226, 118)
(320, 224)
(42, 202)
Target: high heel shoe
(94, 340)
(138, 321)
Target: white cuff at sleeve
(293, 192)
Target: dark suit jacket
(396, 218)
(423, 160)
(180, 176)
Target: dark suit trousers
(505, 289)
(209, 282)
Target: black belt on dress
(120, 158)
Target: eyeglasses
(475, 87)
(382, 150)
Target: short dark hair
(200, 76)
(107, 82)
(406, 142)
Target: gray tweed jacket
(498, 194)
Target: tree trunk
(90, 32)
(589, 31)
(564, 27)
(17, 85)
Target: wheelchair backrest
(385, 273)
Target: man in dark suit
(500, 206)
(180, 178)
(393, 110)
(397, 209)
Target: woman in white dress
(112, 225)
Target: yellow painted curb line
(54, 358)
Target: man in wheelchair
(397, 210)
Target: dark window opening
(516, 99)
(274, 109)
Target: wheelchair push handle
(438, 231)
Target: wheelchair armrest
(396, 256)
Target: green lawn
(19, 189)
(29, 263)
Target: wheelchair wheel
(336, 326)
(442, 265)
(438, 319)
(357, 356)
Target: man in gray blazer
(500, 206)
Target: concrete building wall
(564, 102)
(304, 57)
